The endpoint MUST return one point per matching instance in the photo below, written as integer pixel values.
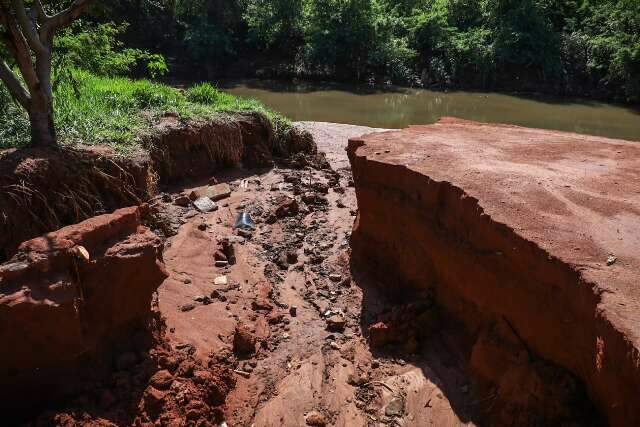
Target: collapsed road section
(530, 239)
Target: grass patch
(115, 111)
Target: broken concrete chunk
(205, 204)
(214, 192)
(219, 191)
(220, 280)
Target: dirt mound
(535, 229)
(68, 298)
(196, 148)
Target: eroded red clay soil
(522, 235)
(445, 314)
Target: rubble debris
(205, 204)
(316, 419)
(213, 192)
(220, 281)
(336, 323)
(395, 408)
(244, 342)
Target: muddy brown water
(399, 107)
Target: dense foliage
(117, 111)
(583, 47)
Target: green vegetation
(94, 102)
(94, 109)
(572, 47)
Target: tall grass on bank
(115, 111)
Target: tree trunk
(43, 131)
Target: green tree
(27, 34)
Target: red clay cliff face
(528, 237)
(65, 296)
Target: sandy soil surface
(292, 291)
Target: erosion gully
(290, 294)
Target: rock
(202, 226)
(202, 299)
(220, 281)
(196, 410)
(320, 187)
(220, 256)
(219, 191)
(244, 233)
(292, 257)
(286, 206)
(336, 323)
(293, 311)
(244, 342)
(395, 408)
(216, 294)
(153, 399)
(315, 418)
(50, 326)
(611, 260)
(228, 250)
(161, 380)
(282, 262)
(186, 347)
(380, 334)
(309, 197)
(187, 307)
(182, 200)
(205, 204)
(214, 192)
(357, 380)
(335, 277)
(261, 305)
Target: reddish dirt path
(302, 373)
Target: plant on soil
(92, 109)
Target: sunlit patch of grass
(116, 111)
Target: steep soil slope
(531, 238)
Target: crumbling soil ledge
(68, 299)
(42, 190)
(528, 237)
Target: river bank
(397, 107)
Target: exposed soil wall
(68, 297)
(42, 190)
(428, 220)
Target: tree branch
(39, 8)
(13, 84)
(19, 47)
(27, 26)
(66, 17)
